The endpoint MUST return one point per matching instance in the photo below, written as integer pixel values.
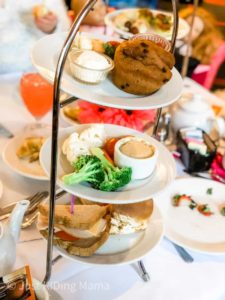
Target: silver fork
(34, 201)
(5, 132)
(31, 215)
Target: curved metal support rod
(55, 120)
(173, 42)
(175, 25)
(186, 57)
(155, 129)
(68, 101)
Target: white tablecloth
(171, 278)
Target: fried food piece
(72, 112)
(34, 157)
(30, 148)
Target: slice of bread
(84, 217)
(82, 247)
(139, 211)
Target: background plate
(189, 228)
(183, 28)
(137, 191)
(20, 166)
(44, 57)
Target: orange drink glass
(37, 94)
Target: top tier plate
(44, 57)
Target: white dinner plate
(44, 56)
(149, 240)
(189, 228)
(183, 28)
(136, 191)
(21, 166)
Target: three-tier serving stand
(55, 122)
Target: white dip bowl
(141, 167)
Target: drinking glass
(37, 94)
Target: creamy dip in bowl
(89, 66)
(138, 154)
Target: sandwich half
(128, 218)
(81, 233)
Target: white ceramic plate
(183, 28)
(136, 191)
(189, 228)
(149, 240)
(20, 166)
(41, 291)
(44, 57)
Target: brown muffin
(141, 67)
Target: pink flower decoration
(131, 119)
(92, 113)
(89, 112)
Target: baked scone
(141, 67)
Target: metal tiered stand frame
(55, 123)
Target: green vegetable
(209, 191)
(176, 200)
(88, 168)
(192, 205)
(222, 211)
(109, 50)
(115, 177)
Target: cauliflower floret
(74, 147)
(73, 138)
(82, 42)
(94, 136)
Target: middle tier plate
(136, 191)
(45, 55)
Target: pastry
(141, 67)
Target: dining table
(170, 277)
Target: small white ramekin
(141, 167)
(159, 40)
(88, 75)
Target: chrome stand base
(144, 274)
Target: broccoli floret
(83, 160)
(110, 186)
(115, 177)
(88, 168)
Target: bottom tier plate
(150, 239)
(147, 240)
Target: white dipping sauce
(92, 60)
